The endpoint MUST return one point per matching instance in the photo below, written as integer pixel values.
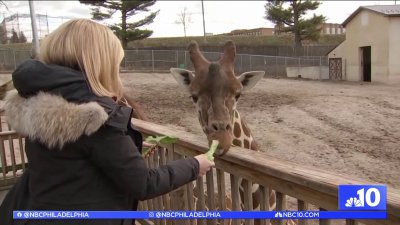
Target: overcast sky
(220, 16)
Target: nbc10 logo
(362, 197)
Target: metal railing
(163, 60)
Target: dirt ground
(349, 128)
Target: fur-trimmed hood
(52, 120)
(55, 105)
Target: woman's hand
(204, 164)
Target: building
(332, 29)
(371, 51)
(327, 28)
(253, 32)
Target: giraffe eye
(237, 96)
(195, 98)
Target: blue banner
(198, 215)
(362, 197)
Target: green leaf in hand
(161, 139)
(155, 141)
(211, 151)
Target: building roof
(254, 29)
(385, 10)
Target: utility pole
(35, 40)
(18, 32)
(47, 22)
(204, 23)
(40, 26)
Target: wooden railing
(12, 155)
(298, 187)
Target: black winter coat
(82, 149)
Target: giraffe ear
(184, 77)
(250, 79)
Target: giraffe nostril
(219, 126)
(215, 127)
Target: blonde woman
(83, 153)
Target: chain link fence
(9, 58)
(163, 60)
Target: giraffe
(215, 91)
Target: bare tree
(3, 28)
(185, 19)
(3, 33)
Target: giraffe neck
(242, 133)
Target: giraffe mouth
(225, 139)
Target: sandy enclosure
(350, 128)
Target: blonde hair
(91, 47)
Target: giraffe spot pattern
(237, 131)
(245, 129)
(237, 142)
(246, 143)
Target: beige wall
(365, 29)
(309, 72)
(394, 51)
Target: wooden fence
(12, 155)
(298, 187)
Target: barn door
(335, 68)
(366, 63)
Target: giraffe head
(215, 90)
